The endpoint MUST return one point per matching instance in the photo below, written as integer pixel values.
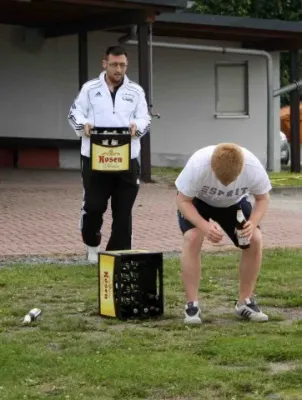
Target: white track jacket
(94, 105)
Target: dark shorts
(225, 217)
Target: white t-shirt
(198, 180)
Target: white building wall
(36, 88)
(39, 88)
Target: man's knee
(95, 206)
(193, 240)
(256, 240)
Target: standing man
(110, 101)
(214, 184)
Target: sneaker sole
(192, 321)
(239, 316)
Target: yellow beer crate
(110, 149)
(130, 284)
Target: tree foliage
(287, 10)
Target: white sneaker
(251, 311)
(92, 254)
(192, 313)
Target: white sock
(195, 303)
(240, 303)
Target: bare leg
(191, 263)
(250, 266)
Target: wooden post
(83, 57)
(144, 81)
(83, 64)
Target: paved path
(39, 215)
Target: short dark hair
(116, 51)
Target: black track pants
(122, 188)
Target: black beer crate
(130, 284)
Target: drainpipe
(129, 36)
(156, 115)
(289, 88)
(269, 69)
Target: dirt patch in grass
(279, 368)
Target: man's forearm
(142, 126)
(259, 210)
(190, 213)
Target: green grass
(71, 353)
(282, 179)
(285, 178)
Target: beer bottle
(243, 242)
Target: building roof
(252, 32)
(63, 17)
(167, 3)
(38, 13)
(231, 22)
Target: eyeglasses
(116, 65)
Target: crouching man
(215, 183)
